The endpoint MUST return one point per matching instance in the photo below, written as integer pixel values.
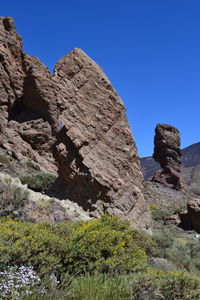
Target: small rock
(172, 220)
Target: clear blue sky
(150, 50)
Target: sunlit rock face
(71, 123)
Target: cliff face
(72, 123)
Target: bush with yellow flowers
(106, 245)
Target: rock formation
(193, 214)
(73, 123)
(188, 219)
(190, 167)
(167, 153)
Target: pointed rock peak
(9, 37)
(8, 24)
(71, 64)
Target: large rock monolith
(73, 123)
(167, 152)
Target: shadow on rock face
(75, 181)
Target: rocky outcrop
(190, 167)
(188, 219)
(167, 153)
(72, 123)
(172, 220)
(193, 214)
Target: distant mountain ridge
(190, 167)
(191, 155)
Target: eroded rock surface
(194, 213)
(190, 167)
(188, 219)
(72, 123)
(168, 154)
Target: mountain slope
(190, 167)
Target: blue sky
(150, 50)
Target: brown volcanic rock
(190, 167)
(23, 128)
(190, 219)
(193, 214)
(72, 120)
(167, 153)
(11, 73)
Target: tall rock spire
(167, 152)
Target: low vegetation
(12, 195)
(4, 159)
(182, 251)
(98, 259)
(106, 245)
(40, 182)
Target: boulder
(172, 220)
(193, 208)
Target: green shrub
(177, 285)
(31, 244)
(183, 252)
(179, 253)
(106, 245)
(159, 214)
(135, 286)
(44, 204)
(98, 259)
(4, 159)
(12, 196)
(100, 287)
(39, 182)
(167, 286)
(153, 207)
(163, 241)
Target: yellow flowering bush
(102, 258)
(106, 245)
(31, 244)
